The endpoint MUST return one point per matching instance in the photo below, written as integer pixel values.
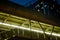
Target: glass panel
(27, 34)
(46, 27)
(26, 23)
(34, 35)
(41, 36)
(35, 25)
(2, 18)
(14, 21)
(56, 29)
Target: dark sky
(58, 1)
(24, 2)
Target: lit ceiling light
(38, 31)
(38, 10)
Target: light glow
(24, 28)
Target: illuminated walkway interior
(11, 25)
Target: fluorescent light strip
(45, 24)
(38, 31)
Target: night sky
(24, 2)
(58, 1)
